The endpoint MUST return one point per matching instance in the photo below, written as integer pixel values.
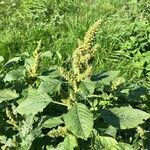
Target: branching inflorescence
(36, 54)
(81, 65)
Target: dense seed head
(83, 54)
(36, 54)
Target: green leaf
(24, 54)
(52, 122)
(111, 131)
(50, 86)
(34, 104)
(29, 62)
(28, 133)
(124, 117)
(109, 143)
(118, 81)
(12, 61)
(6, 95)
(122, 146)
(59, 147)
(58, 54)
(1, 59)
(70, 142)
(53, 73)
(27, 141)
(47, 54)
(105, 78)
(15, 75)
(104, 142)
(3, 139)
(87, 87)
(79, 120)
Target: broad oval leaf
(70, 142)
(34, 104)
(79, 120)
(15, 74)
(105, 77)
(124, 117)
(111, 131)
(87, 87)
(6, 95)
(50, 86)
(52, 122)
(104, 142)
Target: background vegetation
(123, 37)
(123, 41)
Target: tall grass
(58, 23)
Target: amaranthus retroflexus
(81, 60)
(34, 67)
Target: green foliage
(70, 142)
(34, 104)
(52, 122)
(79, 120)
(108, 143)
(124, 117)
(102, 142)
(6, 95)
(1, 59)
(46, 108)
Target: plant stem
(59, 103)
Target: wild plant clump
(69, 109)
